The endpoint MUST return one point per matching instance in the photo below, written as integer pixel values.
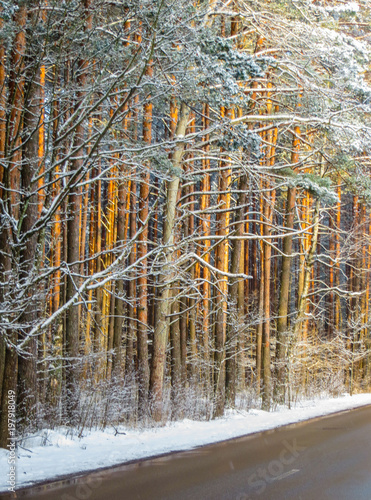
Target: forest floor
(50, 454)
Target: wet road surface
(327, 458)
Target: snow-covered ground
(52, 453)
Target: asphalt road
(324, 459)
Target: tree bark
(11, 201)
(73, 246)
(142, 282)
(285, 280)
(27, 372)
(161, 333)
(233, 330)
(131, 330)
(222, 263)
(119, 289)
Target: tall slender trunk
(131, 329)
(331, 273)
(222, 263)
(142, 282)
(161, 332)
(175, 323)
(119, 289)
(191, 301)
(97, 245)
(307, 274)
(285, 280)
(234, 329)
(10, 174)
(132, 284)
(73, 246)
(183, 339)
(266, 341)
(176, 365)
(268, 211)
(205, 228)
(27, 373)
(337, 320)
(260, 300)
(3, 232)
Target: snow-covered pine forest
(185, 199)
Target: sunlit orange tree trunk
(142, 281)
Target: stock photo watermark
(85, 489)
(86, 486)
(276, 469)
(12, 444)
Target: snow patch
(50, 454)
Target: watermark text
(12, 444)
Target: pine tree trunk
(142, 282)
(161, 333)
(205, 251)
(307, 274)
(285, 280)
(11, 202)
(131, 330)
(222, 263)
(27, 374)
(119, 287)
(3, 231)
(234, 299)
(176, 366)
(73, 247)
